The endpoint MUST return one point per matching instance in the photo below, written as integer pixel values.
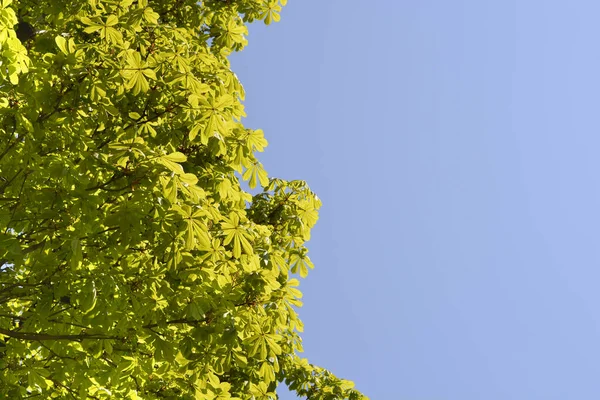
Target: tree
(132, 263)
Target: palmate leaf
(272, 13)
(106, 28)
(235, 33)
(151, 16)
(212, 116)
(136, 72)
(256, 140)
(255, 173)
(190, 82)
(196, 231)
(66, 46)
(185, 184)
(237, 233)
(300, 263)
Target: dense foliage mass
(132, 263)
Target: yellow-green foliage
(132, 263)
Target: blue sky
(455, 147)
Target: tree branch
(115, 176)
(44, 336)
(179, 321)
(56, 321)
(7, 183)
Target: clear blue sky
(456, 148)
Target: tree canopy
(133, 264)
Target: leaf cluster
(132, 263)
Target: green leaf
(237, 233)
(256, 173)
(151, 16)
(256, 140)
(135, 72)
(175, 157)
(164, 350)
(61, 42)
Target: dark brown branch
(7, 183)
(56, 321)
(18, 285)
(114, 228)
(179, 321)
(170, 107)
(54, 353)
(10, 146)
(12, 296)
(103, 185)
(72, 392)
(44, 336)
(33, 247)
(19, 195)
